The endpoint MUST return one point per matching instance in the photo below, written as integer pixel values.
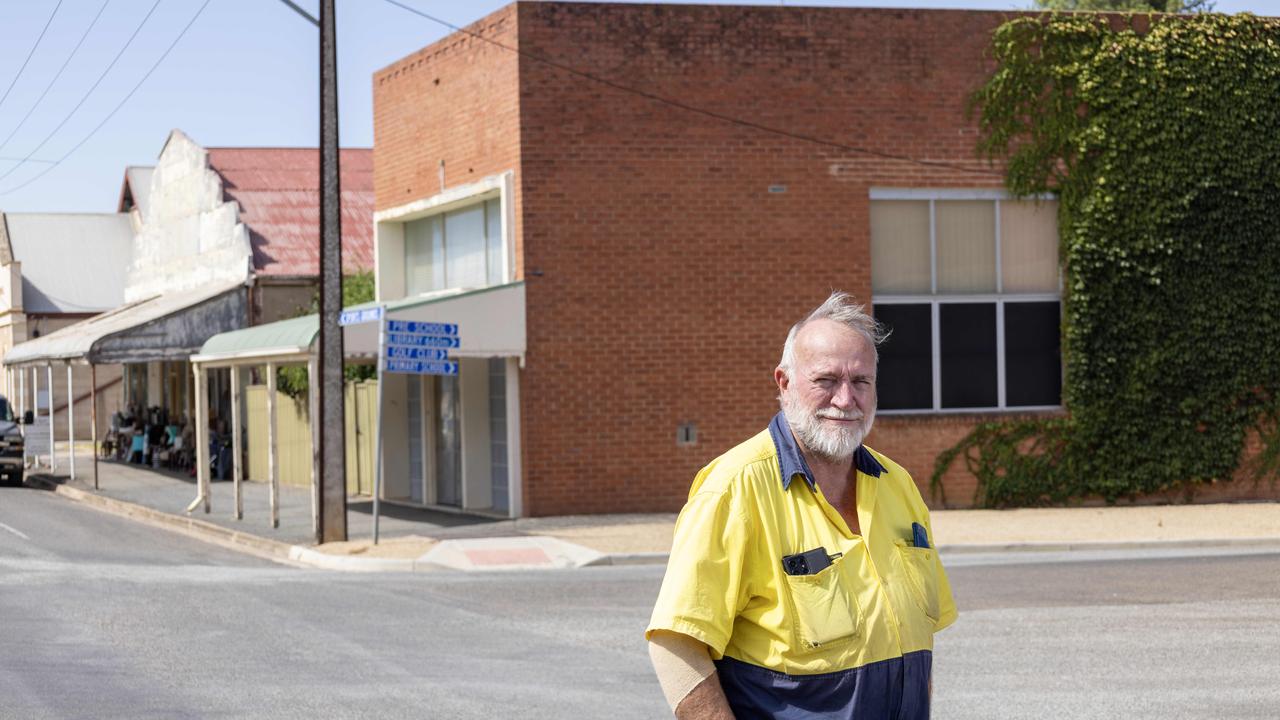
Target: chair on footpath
(138, 447)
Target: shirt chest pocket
(920, 569)
(824, 610)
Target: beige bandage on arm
(680, 662)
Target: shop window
(968, 285)
(460, 248)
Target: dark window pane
(967, 341)
(904, 379)
(1032, 359)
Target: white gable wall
(188, 236)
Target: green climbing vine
(356, 288)
(1161, 138)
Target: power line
(31, 54)
(121, 104)
(298, 9)
(97, 82)
(692, 108)
(56, 75)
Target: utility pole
(333, 492)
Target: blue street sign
(412, 340)
(424, 328)
(355, 317)
(421, 367)
(399, 352)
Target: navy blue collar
(791, 460)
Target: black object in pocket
(810, 562)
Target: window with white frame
(460, 248)
(968, 284)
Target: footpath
(418, 539)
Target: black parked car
(11, 443)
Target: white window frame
(935, 300)
(500, 187)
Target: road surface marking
(15, 531)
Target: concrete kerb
(297, 555)
(191, 527)
(324, 561)
(338, 562)
(1088, 545)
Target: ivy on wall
(1161, 138)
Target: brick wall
(455, 102)
(670, 272)
(661, 271)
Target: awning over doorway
(171, 326)
(280, 341)
(491, 322)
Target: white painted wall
(388, 262)
(188, 237)
(13, 323)
(11, 287)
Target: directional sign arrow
(421, 367)
(398, 352)
(425, 328)
(413, 339)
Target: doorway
(447, 427)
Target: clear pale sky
(244, 74)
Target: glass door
(448, 440)
(414, 392)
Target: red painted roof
(278, 190)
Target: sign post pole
(377, 458)
(407, 347)
(358, 317)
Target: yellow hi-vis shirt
(851, 640)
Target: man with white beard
(803, 580)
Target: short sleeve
(704, 588)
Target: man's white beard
(831, 443)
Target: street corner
(511, 553)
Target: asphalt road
(1141, 636)
(105, 618)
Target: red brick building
(679, 185)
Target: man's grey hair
(842, 308)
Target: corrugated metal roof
(278, 190)
(77, 341)
(278, 338)
(71, 262)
